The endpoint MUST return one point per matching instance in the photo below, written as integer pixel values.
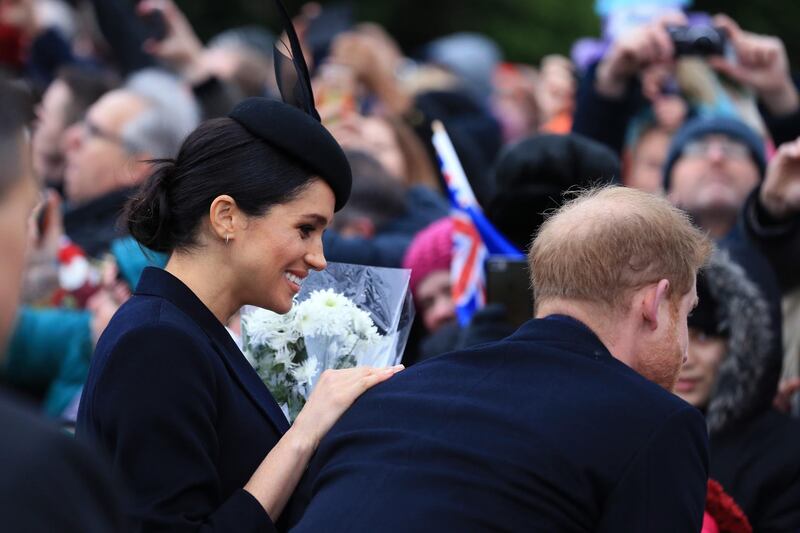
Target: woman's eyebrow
(318, 219)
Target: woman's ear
(223, 216)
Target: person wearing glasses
(714, 165)
(108, 152)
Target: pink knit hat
(431, 250)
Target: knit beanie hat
(431, 250)
(700, 127)
(532, 176)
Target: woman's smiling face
(276, 251)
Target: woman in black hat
(191, 430)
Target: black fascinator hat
(293, 126)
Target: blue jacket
(182, 414)
(542, 431)
(389, 246)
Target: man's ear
(654, 296)
(222, 216)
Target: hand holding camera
(761, 64)
(634, 51)
(172, 38)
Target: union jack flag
(474, 237)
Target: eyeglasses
(728, 148)
(90, 129)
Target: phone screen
(508, 283)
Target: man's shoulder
(35, 445)
(582, 369)
(50, 482)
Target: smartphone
(155, 27)
(508, 283)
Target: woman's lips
(685, 385)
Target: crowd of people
(130, 103)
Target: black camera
(699, 40)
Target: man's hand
(181, 49)
(762, 64)
(634, 51)
(371, 55)
(780, 192)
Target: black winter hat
(700, 127)
(706, 316)
(300, 137)
(532, 175)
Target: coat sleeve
(604, 119)
(778, 240)
(664, 486)
(155, 412)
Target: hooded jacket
(753, 447)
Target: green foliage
(525, 29)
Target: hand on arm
(276, 478)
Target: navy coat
(543, 431)
(182, 414)
(49, 482)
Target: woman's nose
(316, 258)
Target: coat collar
(160, 283)
(564, 329)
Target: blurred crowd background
(538, 97)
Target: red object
(12, 47)
(727, 515)
(77, 279)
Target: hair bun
(147, 214)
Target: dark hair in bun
(219, 157)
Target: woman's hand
(334, 394)
(278, 474)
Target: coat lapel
(158, 282)
(248, 379)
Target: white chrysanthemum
(284, 356)
(306, 371)
(328, 298)
(362, 323)
(325, 312)
(271, 329)
(259, 324)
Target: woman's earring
(226, 238)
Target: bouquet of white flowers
(344, 316)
